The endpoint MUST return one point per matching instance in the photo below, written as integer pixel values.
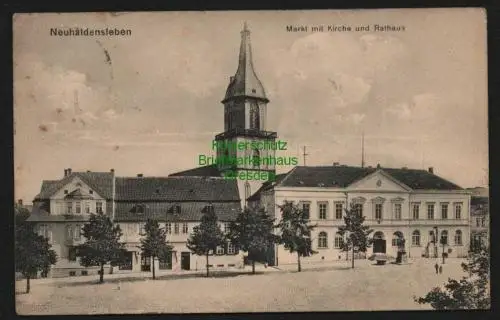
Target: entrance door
(185, 260)
(166, 263)
(127, 261)
(145, 263)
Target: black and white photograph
(251, 161)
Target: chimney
(20, 202)
(431, 170)
(378, 165)
(112, 170)
(335, 164)
(139, 175)
(65, 172)
(69, 171)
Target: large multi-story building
(398, 204)
(63, 206)
(479, 217)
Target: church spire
(245, 82)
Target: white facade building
(397, 204)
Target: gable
(378, 181)
(76, 186)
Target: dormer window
(91, 191)
(177, 209)
(78, 184)
(139, 209)
(209, 208)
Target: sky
(153, 106)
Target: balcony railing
(246, 132)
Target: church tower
(245, 112)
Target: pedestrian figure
(436, 267)
(440, 269)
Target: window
(176, 228)
(322, 240)
(168, 228)
(71, 254)
(78, 207)
(98, 207)
(458, 211)
(230, 248)
(256, 158)
(254, 116)
(69, 207)
(431, 237)
(91, 191)
(141, 228)
(444, 237)
(184, 228)
(396, 239)
(416, 213)
(444, 211)
(415, 238)
(478, 221)
(69, 232)
(322, 210)
(85, 273)
(378, 211)
(220, 250)
(358, 208)
(397, 211)
(72, 273)
(430, 211)
(483, 222)
(227, 226)
(77, 232)
(458, 238)
(87, 207)
(43, 230)
(338, 241)
(339, 210)
(306, 208)
(177, 209)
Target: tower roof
(245, 82)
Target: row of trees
(252, 232)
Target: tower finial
(245, 26)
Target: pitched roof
(176, 188)
(101, 182)
(343, 176)
(206, 171)
(266, 186)
(162, 211)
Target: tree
(356, 234)
(470, 292)
(295, 231)
(154, 243)
(33, 252)
(102, 243)
(253, 232)
(207, 236)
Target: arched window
(379, 235)
(415, 238)
(322, 240)
(247, 190)
(256, 158)
(338, 241)
(69, 232)
(444, 237)
(458, 238)
(397, 237)
(254, 116)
